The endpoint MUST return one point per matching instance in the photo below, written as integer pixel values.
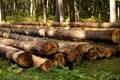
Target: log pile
(46, 44)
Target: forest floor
(100, 69)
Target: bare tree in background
(112, 11)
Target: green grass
(102, 69)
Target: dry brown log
(62, 44)
(78, 35)
(75, 34)
(41, 48)
(42, 63)
(20, 26)
(74, 24)
(22, 58)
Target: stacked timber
(60, 44)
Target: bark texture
(41, 48)
(75, 34)
(63, 24)
(22, 58)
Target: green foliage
(105, 69)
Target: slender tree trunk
(112, 11)
(61, 11)
(45, 10)
(118, 11)
(14, 11)
(72, 11)
(77, 17)
(22, 58)
(0, 11)
(56, 11)
(31, 7)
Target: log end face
(70, 54)
(46, 66)
(116, 36)
(24, 59)
(51, 47)
(60, 59)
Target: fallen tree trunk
(74, 24)
(41, 48)
(42, 63)
(22, 58)
(72, 34)
(78, 35)
(62, 44)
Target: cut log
(69, 53)
(78, 35)
(62, 44)
(73, 34)
(22, 58)
(41, 48)
(59, 59)
(42, 63)
(73, 24)
(101, 50)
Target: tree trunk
(76, 34)
(112, 10)
(61, 10)
(42, 63)
(14, 11)
(31, 7)
(77, 17)
(72, 11)
(63, 24)
(45, 10)
(41, 48)
(56, 11)
(22, 58)
(0, 11)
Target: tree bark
(42, 63)
(0, 11)
(45, 10)
(61, 10)
(37, 25)
(75, 34)
(72, 11)
(112, 10)
(56, 11)
(22, 58)
(40, 48)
